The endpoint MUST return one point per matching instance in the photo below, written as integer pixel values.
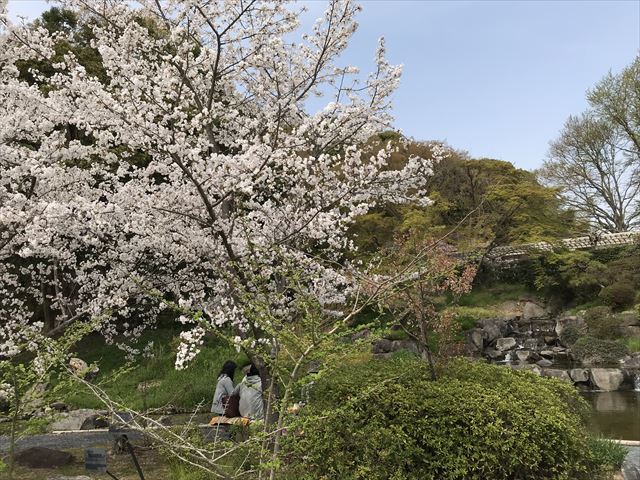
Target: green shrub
(618, 295)
(633, 344)
(396, 334)
(467, 317)
(384, 419)
(596, 314)
(602, 323)
(597, 351)
(569, 336)
(609, 455)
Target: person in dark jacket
(224, 387)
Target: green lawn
(485, 296)
(183, 389)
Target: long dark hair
(228, 369)
(253, 370)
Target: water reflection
(615, 414)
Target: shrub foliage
(598, 351)
(618, 295)
(384, 419)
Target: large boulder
(94, 422)
(527, 356)
(544, 363)
(579, 374)
(531, 344)
(75, 419)
(511, 309)
(80, 368)
(532, 311)
(41, 457)
(571, 321)
(476, 338)
(504, 344)
(632, 361)
(493, 328)
(630, 331)
(493, 354)
(407, 345)
(607, 379)
(630, 318)
(382, 346)
(361, 335)
(34, 398)
(557, 373)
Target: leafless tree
(591, 163)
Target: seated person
(250, 391)
(224, 387)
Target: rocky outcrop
(77, 419)
(382, 346)
(507, 343)
(527, 356)
(629, 318)
(385, 346)
(532, 310)
(632, 361)
(579, 374)
(80, 368)
(494, 328)
(41, 457)
(630, 331)
(607, 379)
(476, 338)
(572, 321)
(94, 422)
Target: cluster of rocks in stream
(530, 339)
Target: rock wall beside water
(533, 339)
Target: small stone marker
(95, 460)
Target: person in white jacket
(250, 391)
(224, 387)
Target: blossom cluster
(192, 168)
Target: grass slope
(166, 386)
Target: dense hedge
(602, 323)
(384, 419)
(598, 351)
(618, 295)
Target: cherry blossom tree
(241, 191)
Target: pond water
(615, 414)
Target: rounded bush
(596, 314)
(384, 419)
(598, 351)
(602, 323)
(618, 295)
(569, 336)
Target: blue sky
(495, 78)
